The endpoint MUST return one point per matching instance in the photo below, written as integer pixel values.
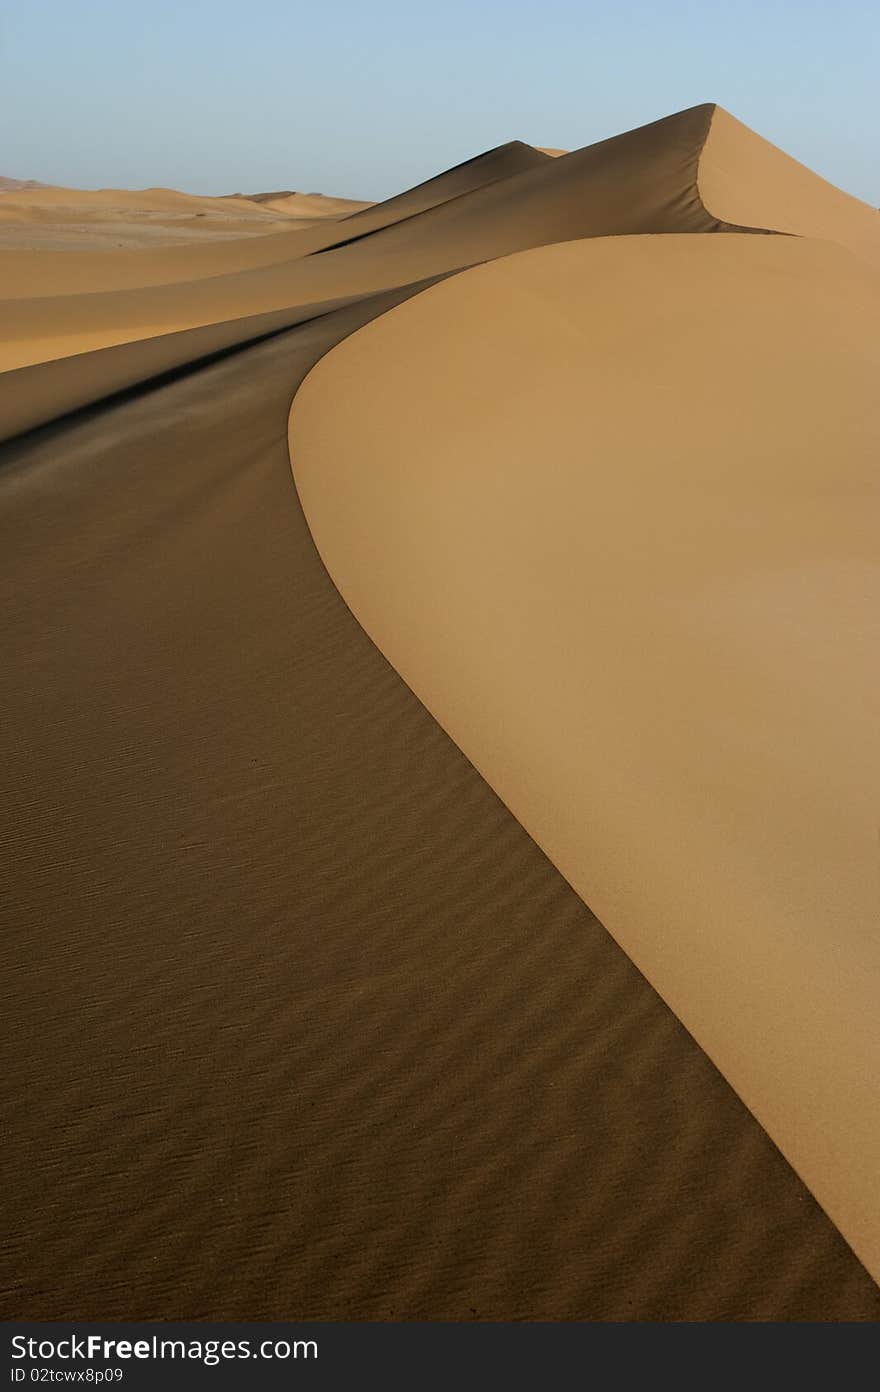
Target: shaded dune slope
(641, 181)
(504, 162)
(640, 593)
(37, 393)
(314, 1029)
(698, 171)
(33, 396)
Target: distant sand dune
(38, 274)
(55, 239)
(314, 206)
(8, 185)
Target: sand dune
(745, 180)
(644, 181)
(62, 219)
(38, 274)
(304, 1022)
(329, 1034)
(313, 207)
(54, 241)
(38, 271)
(8, 185)
(31, 396)
(651, 629)
(33, 202)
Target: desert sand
(391, 623)
(662, 663)
(62, 219)
(55, 241)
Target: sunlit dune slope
(484, 170)
(743, 179)
(611, 509)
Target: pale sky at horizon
(362, 101)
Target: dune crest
(744, 180)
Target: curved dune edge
(609, 508)
(745, 181)
(307, 971)
(36, 395)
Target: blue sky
(364, 99)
